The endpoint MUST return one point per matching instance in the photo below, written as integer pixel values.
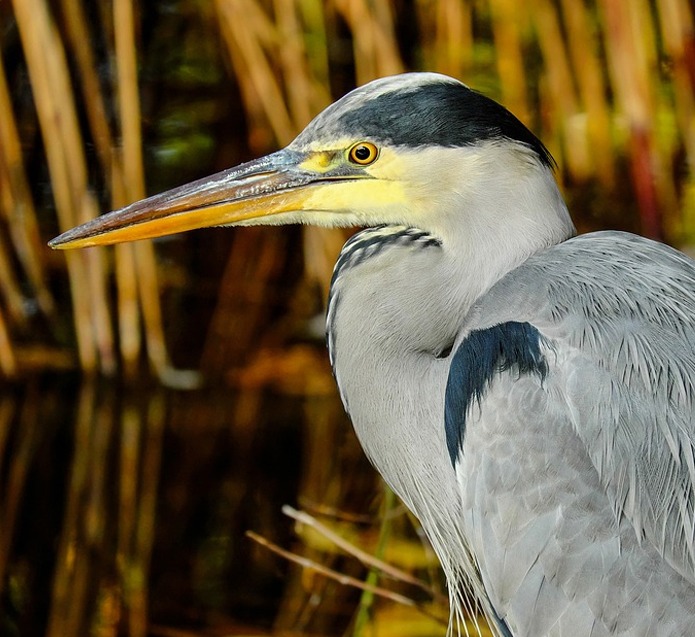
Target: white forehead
(395, 83)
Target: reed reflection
(124, 510)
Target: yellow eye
(363, 153)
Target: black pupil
(362, 153)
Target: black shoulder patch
(484, 354)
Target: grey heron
(528, 393)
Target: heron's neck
(503, 206)
(399, 298)
(389, 374)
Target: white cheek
(389, 166)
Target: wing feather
(619, 314)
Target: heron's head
(407, 150)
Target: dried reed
(605, 83)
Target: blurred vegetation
(102, 103)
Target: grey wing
(578, 475)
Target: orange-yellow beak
(271, 189)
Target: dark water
(123, 509)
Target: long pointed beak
(268, 186)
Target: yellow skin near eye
(363, 153)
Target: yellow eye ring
(363, 153)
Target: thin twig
(345, 580)
(364, 557)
